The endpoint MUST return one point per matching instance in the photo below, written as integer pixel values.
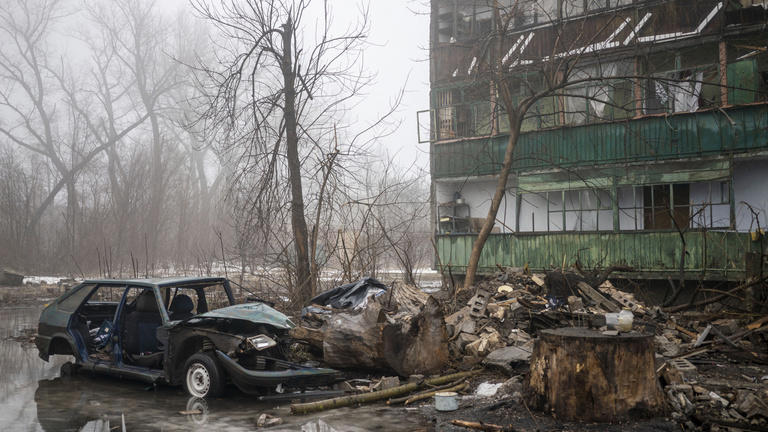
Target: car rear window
(71, 302)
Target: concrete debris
(478, 303)
(488, 341)
(387, 383)
(487, 389)
(267, 420)
(508, 359)
(703, 358)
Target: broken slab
(487, 389)
(596, 297)
(478, 303)
(465, 339)
(507, 358)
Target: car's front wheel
(204, 377)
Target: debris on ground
(487, 389)
(267, 420)
(712, 365)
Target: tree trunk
(414, 341)
(498, 196)
(354, 339)
(583, 375)
(298, 223)
(310, 407)
(419, 346)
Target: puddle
(34, 398)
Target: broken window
(710, 205)
(529, 12)
(666, 206)
(542, 114)
(696, 205)
(463, 111)
(571, 8)
(602, 93)
(567, 210)
(588, 210)
(596, 5)
(462, 20)
(630, 203)
(532, 214)
(683, 82)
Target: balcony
(715, 255)
(733, 130)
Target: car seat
(181, 307)
(140, 330)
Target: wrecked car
(180, 331)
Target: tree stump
(583, 375)
(412, 341)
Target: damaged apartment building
(655, 156)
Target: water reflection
(34, 398)
(21, 369)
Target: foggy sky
(399, 34)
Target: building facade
(654, 156)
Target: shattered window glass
(576, 210)
(710, 205)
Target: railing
(651, 138)
(709, 254)
(456, 121)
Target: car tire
(203, 376)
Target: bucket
(446, 401)
(611, 320)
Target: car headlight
(261, 342)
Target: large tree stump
(583, 375)
(419, 346)
(354, 339)
(411, 341)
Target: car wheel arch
(61, 345)
(186, 349)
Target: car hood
(255, 312)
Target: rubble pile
(712, 366)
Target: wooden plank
(597, 297)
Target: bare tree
(284, 75)
(525, 89)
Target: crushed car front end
(251, 343)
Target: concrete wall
(750, 185)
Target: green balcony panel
(711, 254)
(656, 138)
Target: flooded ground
(33, 397)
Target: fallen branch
(309, 407)
(489, 427)
(716, 298)
(429, 394)
(757, 324)
(438, 388)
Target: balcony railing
(650, 138)
(709, 254)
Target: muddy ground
(33, 396)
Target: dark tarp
(349, 296)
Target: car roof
(169, 281)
